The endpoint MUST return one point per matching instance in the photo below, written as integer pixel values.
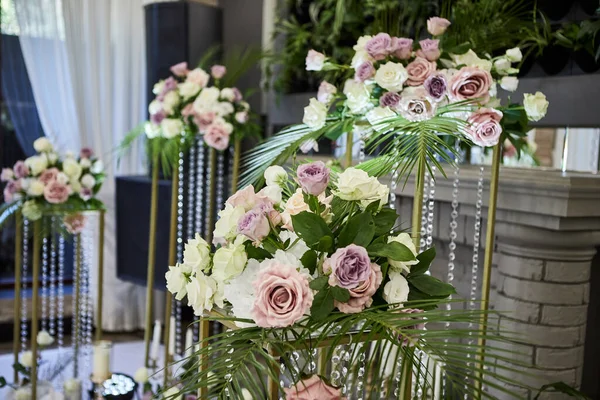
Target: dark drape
(18, 96)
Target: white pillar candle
(189, 338)
(101, 369)
(172, 336)
(155, 341)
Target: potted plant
(556, 54)
(586, 50)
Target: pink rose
(437, 26)
(266, 207)
(430, 49)
(361, 296)
(326, 92)
(56, 192)
(254, 225)
(484, 127)
(6, 175)
(402, 48)
(237, 95)
(416, 106)
(315, 60)
(349, 266)
(242, 117)
(364, 71)
(169, 84)
(379, 46)
(418, 71)
(188, 110)
(389, 99)
(86, 152)
(471, 83)
(217, 137)
(74, 223)
(283, 296)
(313, 388)
(180, 69)
(218, 71)
(49, 175)
(204, 119)
(86, 193)
(245, 197)
(20, 169)
(198, 76)
(12, 187)
(313, 177)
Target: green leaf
(340, 294)
(313, 203)
(394, 250)
(431, 286)
(309, 261)
(334, 131)
(2, 382)
(256, 252)
(461, 48)
(425, 260)
(562, 387)
(385, 221)
(322, 305)
(359, 230)
(319, 284)
(313, 230)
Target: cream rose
(37, 164)
(391, 76)
(355, 184)
(405, 239)
(396, 290)
(315, 60)
(141, 375)
(295, 205)
(271, 192)
(206, 99)
(514, 54)
(379, 114)
(535, 105)
(196, 254)
(88, 181)
(85, 163)
(188, 89)
(509, 83)
(72, 169)
(176, 281)
(502, 65)
(228, 94)
(200, 292)
(198, 76)
(229, 262)
(275, 175)
(358, 96)
(226, 226)
(151, 130)
(171, 127)
(470, 59)
(36, 188)
(27, 359)
(42, 145)
(171, 101)
(315, 114)
(97, 167)
(44, 338)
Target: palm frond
(210, 57)
(7, 210)
(239, 61)
(128, 141)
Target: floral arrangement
(46, 183)
(186, 104)
(407, 95)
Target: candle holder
(102, 356)
(116, 387)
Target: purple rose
(254, 225)
(170, 84)
(436, 85)
(20, 169)
(237, 95)
(158, 117)
(218, 71)
(7, 175)
(364, 71)
(313, 177)
(403, 48)
(430, 49)
(389, 99)
(379, 46)
(12, 187)
(349, 267)
(86, 194)
(86, 152)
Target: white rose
(226, 225)
(228, 94)
(245, 106)
(61, 177)
(405, 239)
(141, 375)
(509, 83)
(240, 294)
(326, 92)
(502, 65)
(200, 292)
(42, 145)
(85, 163)
(199, 76)
(471, 59)
(88, 181)
(155, 107)
(272, 192)
(382, 196)
(27, 359)
(176, 281)
(152, 130)
(188, 89)
(171, 101)
(36, 164)
(275, 175)
(358, 96)
(391, 76)
(356, 184)
(72, 385)
(360, 57)
(158, 87)
(224, 108)
(378, 114)
(396, 290)
(229, 262)
(196, 254)
(315, 114)
(514, 54)
(52, 158)
(72, 169)
(171, 127)
(206, 99)
(76, 186)
(315, 60)
(44, 338)
(535, 105)
(299, 246)
(97, 167)
(35, 188)
(362, 42)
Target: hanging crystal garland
(199, 197)
(52, 296)
(423, 228)
(25, 260)
(476, 242)
(75, 318)
(220, 180)
(180, 197)
(191, 201)
(85, 301)
(430, 211)
(60, 300)
(398, 377)
(345, 358)
(44, 280)
(418, 382)
(360, 379)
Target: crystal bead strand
(24, 277)
(281, 376)
(180, 206)
(208, 195)
(191, 201)
(335, 364)
(44, 281)
(398, 377)
(76, 316)
(361, 147)
(419, 381)
(60, 301)
(86, 302)
(198, 214)
(360, 379)
(344, 369)
(220, 180)
(312, 361)
(423, 230)
(52, 297)
(430, 211)
(393, 186)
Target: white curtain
(86, 63)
